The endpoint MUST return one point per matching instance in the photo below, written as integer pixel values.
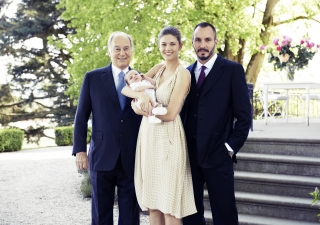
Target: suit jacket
(113, 131)
(209, 113)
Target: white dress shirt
(208, 66)
(115, 73)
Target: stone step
(245, 219)
(309, 148)
(292, 208)
(276, 206)
(275, 184)
(278, 164)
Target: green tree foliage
(38, 76)
(242, 27)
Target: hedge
(64, 135)
(11, 139)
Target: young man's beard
(203, 58)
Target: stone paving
(42, 187)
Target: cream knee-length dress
(162, 173)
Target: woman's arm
(137, 110)
(153, 71)
(144, 98)
(127, 91)
(151, 80)
(179, 91)
(144, 87)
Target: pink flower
(278, 48)
(306, 39)
(284, 42)
(318, 45)
(286, 38)
(276, 41)
(302, 42)
(310, 44)
(262, 47)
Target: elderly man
(114, 134)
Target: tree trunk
(255, 64)
(227, 53)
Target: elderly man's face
(120, 52)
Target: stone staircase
(273, 179)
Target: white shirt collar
(208, 64)
(116, 70)
(115, 73)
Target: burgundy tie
(201, 76)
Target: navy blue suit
(208, 116)
(112, 147)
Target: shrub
(11, 140)
(85, 184)
(64, 135)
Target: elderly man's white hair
(119, 33)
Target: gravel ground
(42, 187)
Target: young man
(217, 97)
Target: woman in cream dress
(162, 173)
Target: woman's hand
(144, 102)
(137, 110)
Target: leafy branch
(316, 198)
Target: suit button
(195, 115)
(121, 135)
(121, 121)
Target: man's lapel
(191, 68)
(128, 100)
(213, 76)
(108, 81)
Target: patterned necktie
(201, 76)
(121, 84)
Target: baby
(139, 82)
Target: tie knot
(203, 68)
(121, 74)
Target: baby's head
(132, 76)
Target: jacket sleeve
(81, 119)
(241, 109)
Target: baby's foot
(159, 111)
(153, 119)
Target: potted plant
(291, 57)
